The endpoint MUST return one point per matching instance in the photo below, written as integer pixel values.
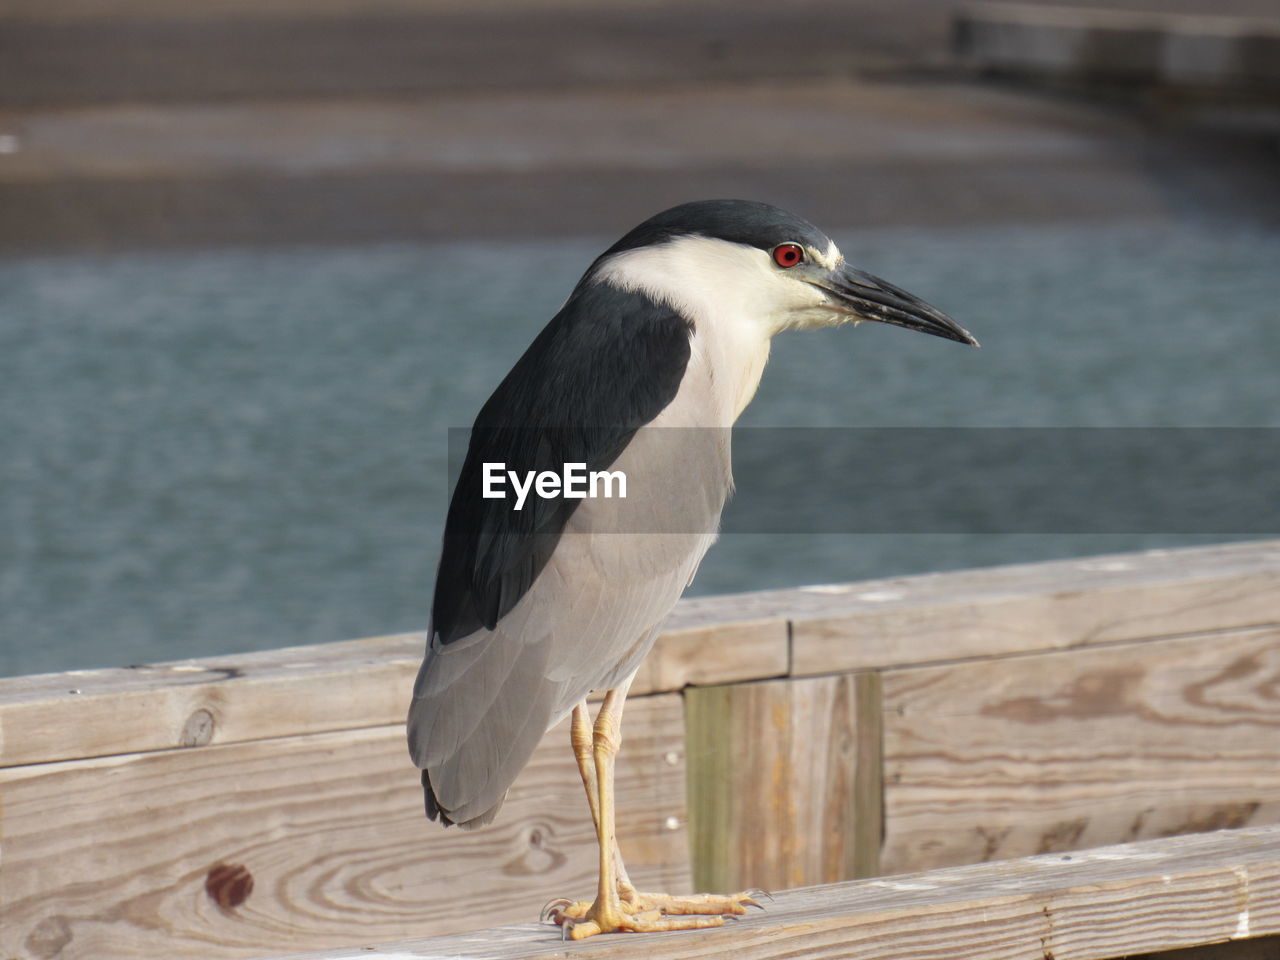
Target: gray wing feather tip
(437, 812)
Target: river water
(203, 453)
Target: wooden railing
(254, 805)
(1212, 896)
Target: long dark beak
(869, 298)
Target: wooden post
(784, 782)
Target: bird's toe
(698, 904)
(644, 921)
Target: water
(216, 452)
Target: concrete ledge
(104, 215)
(1108, 46)
(556, 163)
(62, 52)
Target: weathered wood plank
(299, 690)
(1032, 607)
(868, 777)
(215, 700)
(1097, 905)
(1060, 751)
(363, 683)
(1264, 948)
(150, 855)
(722, 651)
(776, 772)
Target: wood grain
(149, 855)
(214, 700)
(1036, 607)
(722, 652)
(1063, 751)
(776, 770)
(1112, 902)
(298, 690)
(1263, 948)
(366, 683)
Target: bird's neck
(734, 354)
(711, 285)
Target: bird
(656, 352)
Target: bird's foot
(647, 913)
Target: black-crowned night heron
(543, 598)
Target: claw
(748, 902)
(549, 911)
(757, 892)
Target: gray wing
(482, 702)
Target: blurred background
(258, 256)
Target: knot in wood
(541, 855)
(49, 937)
(198, 730)
(229, 884)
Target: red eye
(788, 254)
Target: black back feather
(606, 365)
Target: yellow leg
(582, 739)
(617, 906)
(606, 741)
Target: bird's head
(755, 262)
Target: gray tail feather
(437, 812)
